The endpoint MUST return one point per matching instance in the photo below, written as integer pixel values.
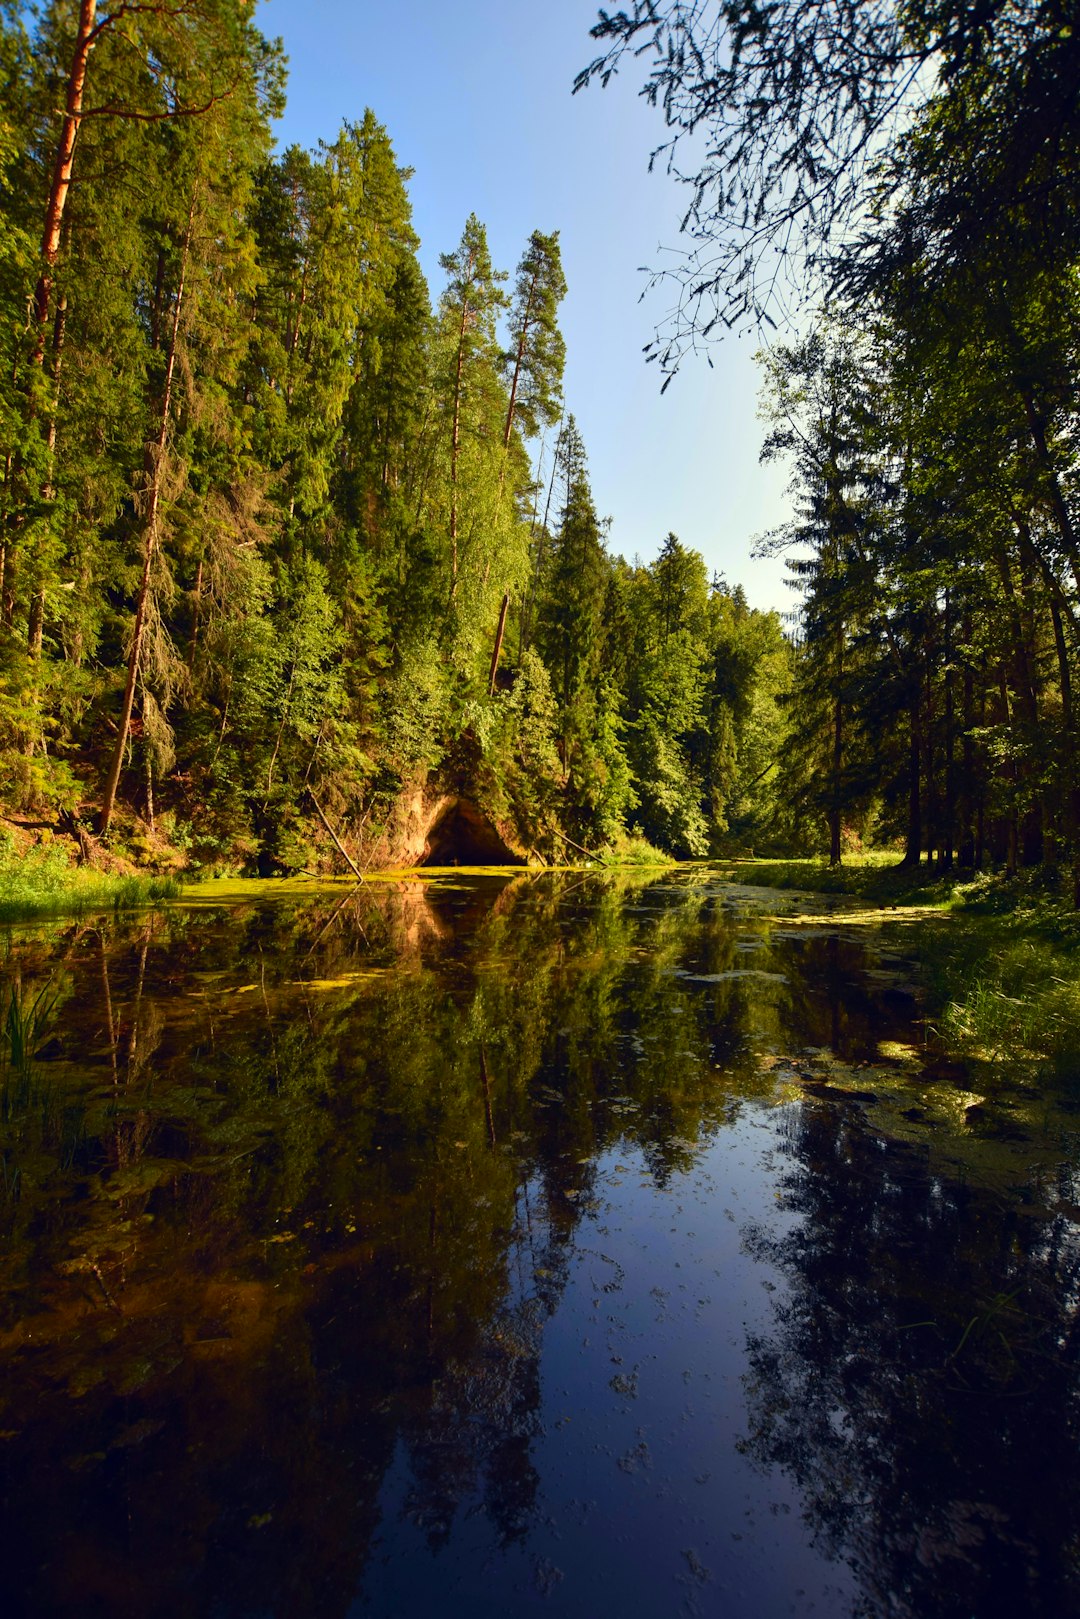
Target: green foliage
(630, 850)
(536, 357)
(418, 710)
(916, 168)
(41, 881)
(1007, 986)
(23, 1028)
(261, 506)
(517, 739)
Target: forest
(895, 188)
(281, 530)
(287, 541)
(696, 1209)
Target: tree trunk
(196, 604)
(1012, 850)
(1070, 810)
(455, 448)
(498, 643)
(526, 615)
(155, 459)
(518, 362)
(835, 852)
(945, 844)
(148, 761)
(1053, 484)
(36, 621)
(913, 844)
(86, 35)
(967, 785)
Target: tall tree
(470, 304)
(536, 355)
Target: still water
(557, 1244)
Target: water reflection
(366, 1252)
(919, 1379)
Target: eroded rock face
(446, 829)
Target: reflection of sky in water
(569, 1243)
(644, 1504)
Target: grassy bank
(1002, 976)
(876, 878)
(633, 850)
(43, 881)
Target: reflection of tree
(333, 1163)
(920, 1383)
(829, 1004)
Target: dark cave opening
(462, 836)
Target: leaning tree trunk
(155, 460)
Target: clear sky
(475, 95)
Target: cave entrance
(462, 836)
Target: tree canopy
(284, 540)
(815, 136)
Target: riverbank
(1002, 980)
(42, 873)
(877, 878)
(41, 880)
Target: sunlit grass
(874, 875)
(42, 882)
(632, 850)
(1004, 990)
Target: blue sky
(475, 95)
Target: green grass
(42, 882)
(1003, 976)
(1006, 986)
(876, 877)
(632, 850)
(1005, 973)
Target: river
(525, 1243)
